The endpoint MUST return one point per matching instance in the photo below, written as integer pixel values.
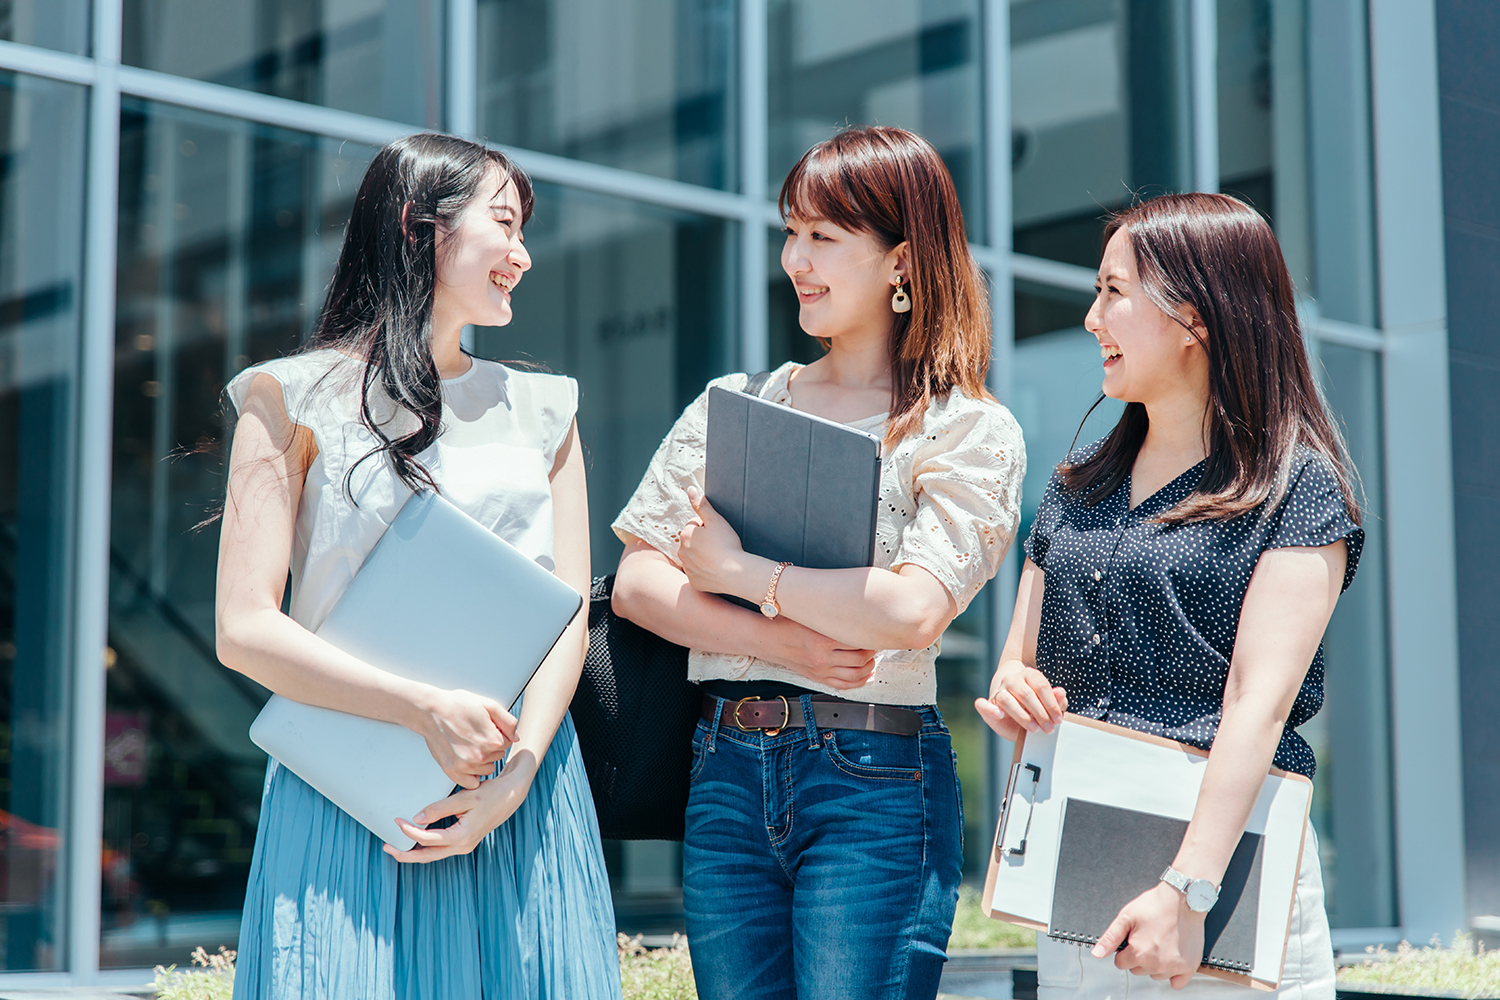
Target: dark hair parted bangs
(1217, 255)
(379, 303)
(891, 184)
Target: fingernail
(1031, 725)
(419, 818)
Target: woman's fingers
(996, 719)
(1008, 704)
(503, 720)
(1046, 697)
(1114, 935)
(454, 805)
(1041, 719)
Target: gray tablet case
(440, 599)
(1108, 856)
(797, 488)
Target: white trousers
(1069, 972)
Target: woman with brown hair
(823, 846)
(1181, 571)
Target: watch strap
(770, 598)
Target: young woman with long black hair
(512, 899)
(1181, 571)
(823, 846)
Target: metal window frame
(1409, 338)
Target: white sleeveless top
(501, 429)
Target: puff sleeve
(659, 509)
(1313, 514)
(967, 475)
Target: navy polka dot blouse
(1139, 618)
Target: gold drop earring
(900, 302)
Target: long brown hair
(891, 184)
(1217, 255)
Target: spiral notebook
(440, 599)
(1094, 812)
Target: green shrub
(972, 928)
(656, 973)
(1465, 968)
(212, 980)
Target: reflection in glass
(52, 24)
(911, 63)
(644, 86)
(1352, 807)
(636, 303)
(373, 57)
(1098, 113)
(42, 128)
(227, 237)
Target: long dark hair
(379, 303)
(1217, 255)
(891, 184)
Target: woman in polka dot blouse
(1181, 570)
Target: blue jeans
(821, 864)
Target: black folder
(797, 488)
(1108, 856)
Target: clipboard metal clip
(1036, 778)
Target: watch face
(1201, 895)
(769, 610)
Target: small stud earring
(900, 302)
(1187, 340)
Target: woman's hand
(477, 810)
(709, 549)
(1163, 938)
(467, 734)
(1020, 698)
(819, 658)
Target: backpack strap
(757, 383)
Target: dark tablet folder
(1108, 856)
(797, 488)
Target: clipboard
(1101, 764)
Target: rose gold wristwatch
(769, 607)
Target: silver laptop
(440, 599)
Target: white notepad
(440, 599)
(1083, 759)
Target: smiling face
(843, 279)
(1147, 354)
(481, 259)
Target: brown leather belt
(776, 714)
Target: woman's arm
(1291, 597)
(547, 696)
(655, 593)
(868, 607)
(1021, 697)
(268, 462)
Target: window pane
(227, 238)
(374, 57)
(1098, 111)
(53, 24)
(637, 304)
(41, 253)
(1294, 139)
(1057, 378)
(912, 63)
(645, 86)
(1351, 736)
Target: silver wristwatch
(1201, 894)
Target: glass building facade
(177, 176)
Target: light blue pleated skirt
(329, 915)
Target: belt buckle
(786, 714)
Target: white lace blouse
(950, 500)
